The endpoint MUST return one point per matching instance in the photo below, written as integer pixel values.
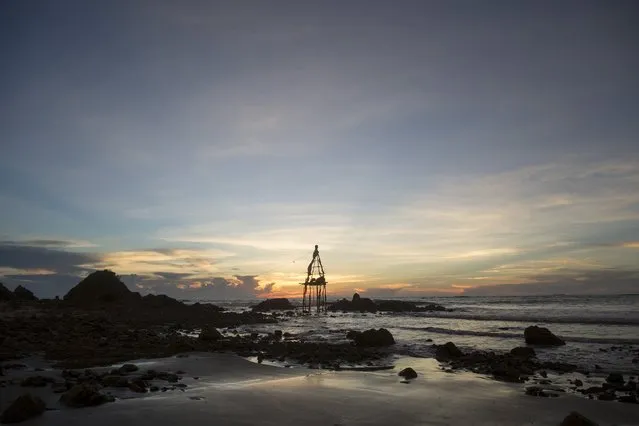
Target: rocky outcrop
(209, 334)
(161, 301)
(5, 294)
(374, 338)
(615, 378)
(84, 395)
(523, 352)
(356, 304)
(535, 335)
(447, 352)
(364, 304)
(577, 419)
(22, 293)
(408, 373)
(23, 408)
(98, 288)
(279, 304)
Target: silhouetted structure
(314, 286)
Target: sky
(202, 148)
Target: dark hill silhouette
(22, 293)
(98, 288)
(5, 293)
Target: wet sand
(233, 391)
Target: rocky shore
(101, 323)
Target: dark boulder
(629, 399)
(447, 352)
(408, 373)
(615, 378)
(128, 368)
(5, 294)
(576, 419)
(84, 395)
(36, 381)
(279, 304)
(210, 334)
(23, 408)
(22, 293)
(535, 335)
(373, 338)
(114, 381)
(351, 334)
(356, 304)
(98, 288)
(523, 352)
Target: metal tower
(314, 286)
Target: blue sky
(427, 147)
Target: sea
(601, 332)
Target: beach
(233, 391)
(165, 361)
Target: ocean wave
(576, 339)
(591, 320)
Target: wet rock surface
(23, 408)
(281, 304)
(577, 419)
(535, 335)
(373, 338)
(408, 373)
(84, 395)
(364, 304)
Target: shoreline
(231, 390)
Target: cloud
(50, 243)
(212, 288)
(27, 257)
(566, 281)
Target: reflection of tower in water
(314, 286)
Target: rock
(210, 334)
(84, 395)
(535, 335)
(630, 399)
(36, 381)
(128, 368)
(615, 378)
(22, 408)
(115, 381)
(169, 377)
(22, 293)
(447, 351)
(536, 391)
(607, 396)
(408, 373)
(138, 386)
(373, 338)
(506, 373)
(279, 304)
(357, 304)
(576, 419)
(5, 294)
(578, 383)
(99, 287)
(523, 352)
(351, 334)
(593, 389)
